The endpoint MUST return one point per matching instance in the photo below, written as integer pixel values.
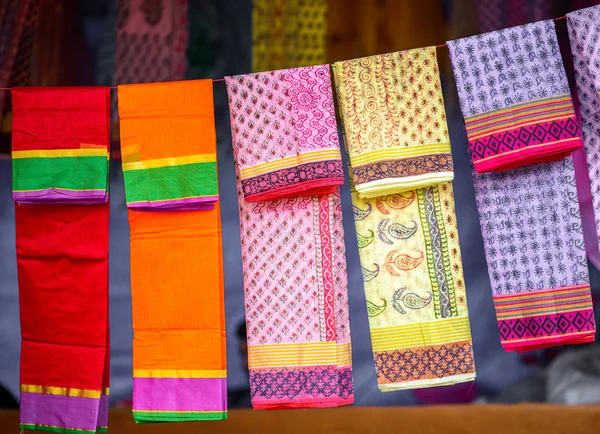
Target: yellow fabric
(394, 121)
(419, 321)
(288, 33)
(301, 354)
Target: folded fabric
(536, 255)
(60, 144)
(414, 285)
(285, 133)
(168, 145)
(296, 292)
(584, 34)
(394, 121)
(62, 263)
(179, 354)
(514, 96)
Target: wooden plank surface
(475, 419)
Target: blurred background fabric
(87, 42)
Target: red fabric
(72, 116)
(62, 262)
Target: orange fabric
(177, 290)
(153, 124)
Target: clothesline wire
(223, 79)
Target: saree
(407, 235)
(584, 33)
(514, 96)
(288, 33)
(60, 145)
(179, 352)
(535, 254)
(394, 120)
(285, 133)
(62, 264)
(296, 293)
(182, 172)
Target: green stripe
(31, 427)
(169, 416)
(71, 173)
(102, 429)
(171, 182)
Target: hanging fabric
(62, 264)
(396, 133)
(179, 354)
(294, 110)
(536, 256)
(181, 173)
(407, 236)
(288, 33)
(584, 34)
(514, 97)
(293, 254)
(60, 144)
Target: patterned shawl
(62, 263)
(169, 164)
(394, 121)
(514, 97)
(168, 145)
(60, 144)
(414, 285)
(288, 33)
(584, 33)
(285, 134)
(296, 292)
(536, 256)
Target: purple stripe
(59, 410)
(180, 394)
(203, 203)
(103, 411)
(57, 195)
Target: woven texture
(514, 97)
(536, 255)
(285, 133)
(296, 290)
(62, 263)
(584, 34)
(60, 145)
(168, 145)
(394, 121)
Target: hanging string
(222, 79)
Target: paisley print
(411, 300)
(365, 240)
(369, 275)
(361, 214)
(387, 232)
(396, 262)
(374, 310)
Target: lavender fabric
(584, 34)
(59, 410)
(510, 66)
(531, 227)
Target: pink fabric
(280, 118)
(293, 254)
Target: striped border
(58, 153)
(301, 354)
(544, 302)
(421, 334)
(519, 115)
(291, 161)
(64, 391)
(167, 162)
(59, 429)
(177, 416)
(400, 153)
(179, 373)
